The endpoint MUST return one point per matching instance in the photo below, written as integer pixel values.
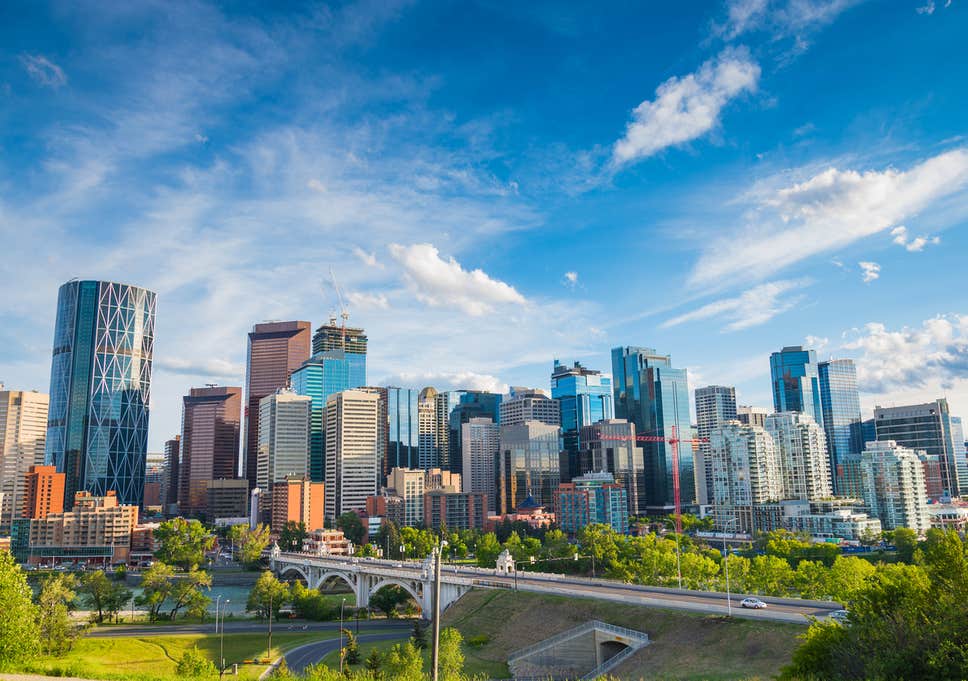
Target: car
(840, 616)
(754, 603)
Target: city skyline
(443, 205)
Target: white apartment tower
(284, 419)
(744, 464)
(715, 405)
(352, 450)
(525, 404)
(408, 484)
(480, 444)
(433, 428)
(892, 479)
(802, 456)
(23, 434)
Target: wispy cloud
(44, 71)
(752, 307)
(570, 279)
(870, 271)
(686, 108)
(781, 18)
(368, 259)
(914, 245)
(458, 380)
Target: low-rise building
(226, 498)
(327, 543)
(96, 529)
(593, 498)
(455, 510)
(299, 500)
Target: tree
(103, 595)
(251, 545)
(403, 663)
(419, 634)
(267, 596)
(310, 604)
(351, 651)
(770, 575)
(488, 549)
(388, 539)
(388, 599)
(186, 593)
(451, 655)
(906, 542)
(373, 660)
(352, 527)
(366, 551)
(292, 536)
(193, 665)
(19, 641)
(156, 585)
(57, 631)
(183, 543)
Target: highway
(401, 628)
(299, 658)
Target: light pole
(678, 561)
(221, 639)
(435, 651)
(729, 604)
(341, 636)
(269, 649)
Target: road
(299, 658)
(284, 627)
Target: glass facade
(961, 463)
(840, 402)
(97, 428)
(403, 436)
(715, 405)
(528, 464)
(325, 374)
(584, 397)
(654, 395)
(796, 382)
(471, 404)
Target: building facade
(528, 464)
(169, 487)
(751, 416)
(433, 427)
(403, 432)
(352, 449)
(715, 405)
(283, 437)
(43, 492)
(100, 386)
(526, 404)
(744, 470)
(609, 446)
(23, 431)
(796, 382)
(96, 529)
(591, 498)
(226, 498)
(584, 397)
(154, 479)
(471, 404)
(480, 444)
(454, 510)
(211, 423)
(894, 489)
(297, 500)
(408, 484)
(840, 402)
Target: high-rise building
(584, 397)
(654, 395)
(609, 446)
(226, 498)
(715, 405)
(383, 429)
(333, 336)
(591, 498)
(169, 488)
(744, 470)
(283, 438)
(403, 430)
(297, 499)
(433, 410)
(408, 484)
(211, 421)
(43, 492)
(801, 448)
(751, 416)
(276, 349)
(352, 467)
(529, 464)
(23, 429)
(840, 403)
(100, 384)
(154, 478)
(796, 382)
(327, 372)
(526, 404)
(471, 404)
(894, 489)
(961, 453)
(481, 442)
(923, 426)
(454, 510)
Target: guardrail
(610, 664)
(631, 634)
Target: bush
(193, 664)
(479, 640)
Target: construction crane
(343, 312)
(674, 441)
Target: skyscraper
(840, 403)
(211, 420)
(283, 438)
(796, 382)
(169, 487)
(23, 429)
(715, 405)
(481, 442)
(529, 464)
(801, 448)
(923, 426)
(526, 404)
(351, 451)
(276, 349)
(332, 336)
(654, 395)
(471, 404)
(404, 431)
(610, 446)
(584, 397)
(433, 410)
(961, 453)
(893, 484)
(744, 470)
(100, 383)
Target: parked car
(754, 603)
(840, 616)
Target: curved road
(299, 658)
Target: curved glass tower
(100, 379)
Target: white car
(754, 603)
(841, 617)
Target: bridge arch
(299, 571)
(418, 598)
(326, 576)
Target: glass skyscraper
(654, 395)
(100, 381)
(471, 404)
(404, 433)
(796, 381)
(584, 397)
(840, 403)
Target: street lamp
(221, 640)
(341, 605)
(218, 601)
(729, 604)
(435, 652)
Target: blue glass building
(652, 394)
(584, 397)
(100, 381)
(325, 374)
(840, 403)
(403, 436)
(471, 404)
(796, 382)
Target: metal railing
(611, 663)
(631, 634)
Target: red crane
(674, 441)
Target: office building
(96, 529)
(894, 489)
(43, 492)
(403, 431)
(408, 484)
(352, 468)
(927, 427)
(840, 403)
(715, 405)
(744, 471)
(332, 336)
(169, 488)
(480, 444)
(525, 404)
(591, 498)
(433, 411)
(382, 429)
(211, 422)
(297, 499)
(226, 498)
(154, 479)
(528, 464)
(751, 416)
(654, 395)
(100, 384)
(584, 397)
(609, 446)
(471, 404)
(961, 453)
(801, 448)
(283, 437)
(23, 430)
(796, 382)
(438, 478)
(276, 349)
(454, 510)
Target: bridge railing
(631, 634)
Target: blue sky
(497, 184)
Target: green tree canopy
(19, 639)
(54, 603)
(268, 596)
(352, 527)
(292, 536)
(251, 545)
(183, 543)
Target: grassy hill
(685, 646)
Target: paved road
(285, 627)
(299, 658)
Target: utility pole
(435, 651)
(341, 605)
(269, 651)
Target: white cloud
(570, 279)
(457, 380)
(686, 108)
(366, 258)
(818, 343)
(782, 18)
(44, 71)
(752, 307)
(926, 9)
(914, 245)
(829, 210)
(200, 138)
(362, 300)
(870, 270)
(439, 282)
(204, 368)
